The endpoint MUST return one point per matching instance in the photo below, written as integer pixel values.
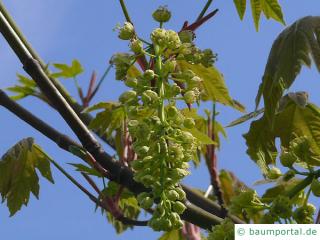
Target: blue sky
(63, 30)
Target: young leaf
(109, 119)
(18, 176)
(172, 235)
(261, 144)
(68, 71)
(88, 170)
(295, 121)
(200, 136)
(241, 7)
(213, 83)
(26, 87)
(133, 72)
(256, 9)
(246, 117)
(128, 205)
(292, 49)
(272, 9)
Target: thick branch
(17, 36)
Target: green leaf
(213, 83)
(256, 9)
(133, 72)
(26, 87)
(172, 235)
(241, 7)
(101, 105)
(272, 9)
(200, 136)
(18, 176)
(128, 205)
(108, 120)
(67, 71)
(261, 144)
(230, 185)
(85, 169)
(292, 49)
(245, 118)
(295, 121)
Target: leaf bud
(281, 207)
(149, 74)
(142, 150)
(287, 159)
(172, 112)
(142, 196)
(172, 195)
(304, 214)
(189, 123)
(173, 40)
(162, 14)
(190, 97)
(181, 193)
(131, 82)
(128, 96)
(274, 173)
(126, 32)
(169, 66)
(146, 203)
(159, 37)
(136, 46)
(149, 97)
(186, 36)
(178, 207)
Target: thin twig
(205, 8)
(91, 182)
(125, 11)
(194, 26)
(120, 218)
(100, 82)
(213, 163)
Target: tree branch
(122, 174)
(18, 37)
(193, 214)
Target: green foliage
(26, 87)
(213, 84)
(85, 169)
(292, 49)
(246, 117)
(67, 71)
(124, 200)
(172, 235)
(109, 119)
(270, 8)
(293, 121)
(224, 231)
(18, 176)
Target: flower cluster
(161, 134)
